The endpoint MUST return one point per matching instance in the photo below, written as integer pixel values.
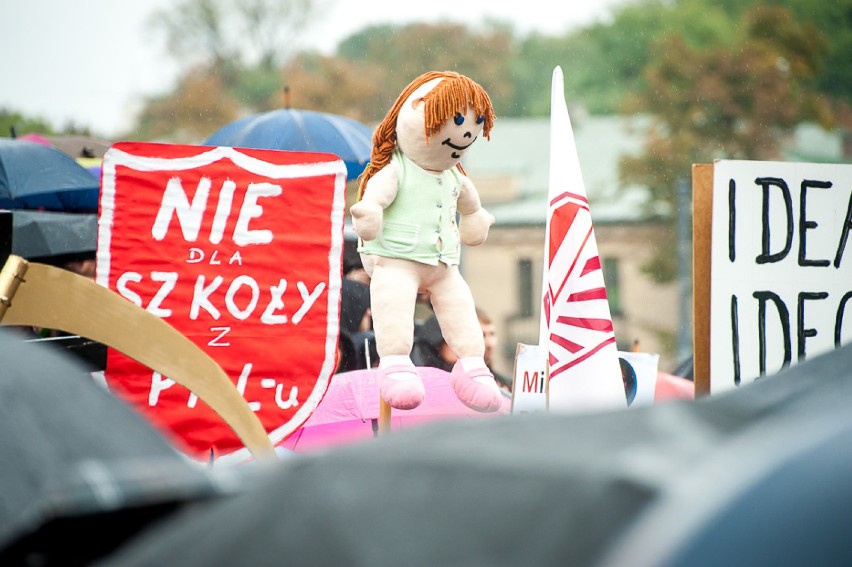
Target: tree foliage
(716, 78)
(735, 100)
(189, 114)
(612, 66)
(332, 84)
(229, 34)
(16, 124)
(398, 54)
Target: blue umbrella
(35, 176)
(301, 130)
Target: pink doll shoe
(405, 393)
(476, 389)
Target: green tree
(604, 63)
(336, 85)
(14, 123)
(229, 34)
(191, 113)
(732, 101)
(834, 20)
(232, 51)
(401, 53)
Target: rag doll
(416, 208)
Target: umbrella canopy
(35, 176)
(541, 489)
(81, 470)
(303, 131)
(38, 235)
(349, 411)
(85, 147)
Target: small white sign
(530, 390)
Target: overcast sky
(91, 62)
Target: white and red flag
(576, 326)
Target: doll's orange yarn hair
(455, 93)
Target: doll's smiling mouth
(447, 142)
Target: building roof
(519, 149)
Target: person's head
(353, 267)
(347, 357)
(489, 334)
(430, 347)
(355, 312)
(430, 335)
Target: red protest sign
(240, 250)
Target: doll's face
(446, 147)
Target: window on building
(525, 288)
(613, 285)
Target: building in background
(511, 172)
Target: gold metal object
(38, 295)
(384, 417)
(11, 277)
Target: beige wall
(649, 310)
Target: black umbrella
(38, 235)
(81, 470)
(526, 490)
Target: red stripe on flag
(592, 265)
(570, 270)
(586, 323)
(570, 346)
(580, 359)
(570, 195)
(548, 301)
(588, 294)
(560, 221)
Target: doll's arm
(368, 213)
(475, 220)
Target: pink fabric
(670, 386)
(37, 138)
(351, 402)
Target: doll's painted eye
(459, 119)
(480, 119)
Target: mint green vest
(420, 223)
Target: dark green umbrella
(549, 489)
(81, 470)
(38, 235)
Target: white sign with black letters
(781, 268)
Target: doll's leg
(393, 292)
(472, 381)
(456, 313)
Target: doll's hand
(473, 228)
(367, 219)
